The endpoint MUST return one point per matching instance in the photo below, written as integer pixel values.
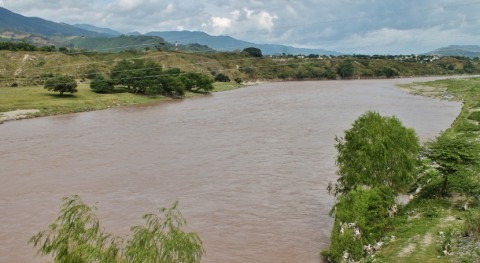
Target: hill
(458, 50)
(100, 30)
(129, 42)
(10, 21)
(227, 43)
(114, 44)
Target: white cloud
(220, 24)
(128, 4)
(265, 20)
(344, 25)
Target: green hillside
(12, 21)
(28, 67)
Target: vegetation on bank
(441, 223)
(26, 67)
(35, 97)
(175, 74)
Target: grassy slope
(418, 229)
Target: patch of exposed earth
(16, 115)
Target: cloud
(345, 25)
(263, 18)
(220, 24)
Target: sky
(349, 26)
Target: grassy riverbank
(50, 103)
(432, 229)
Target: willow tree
(376, 160)
(76, 236)
(376, 151)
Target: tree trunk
(444, 191)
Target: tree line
(24, 46)
(138, 76)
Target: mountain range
(227, 43)
(13, 26)
(10, 21)
(16, 22)
(458, 50)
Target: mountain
(227, 43)
(10, 21)
(129, 42)
(458, 50)
(100, 30)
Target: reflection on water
(250, 166)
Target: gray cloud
(360, 26)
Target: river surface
(249, 167)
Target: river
(249, 167)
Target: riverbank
(432, 229)
(34, 101)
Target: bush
(238, 80)
(472, 225)
(220, 77)
(101, 85)
(361, 218)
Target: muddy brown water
(249, 167)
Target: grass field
(51, 103)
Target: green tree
(169, 86)
(376, 151)
(197, 82)
(253, 51)
(76, 237)
(162, 240)
(455, 156)
(137, 75)
(62, 84)
(101, 85)
(345, 69)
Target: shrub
(361, 217)
(101, 85)
(220, 77)
(472, 225)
